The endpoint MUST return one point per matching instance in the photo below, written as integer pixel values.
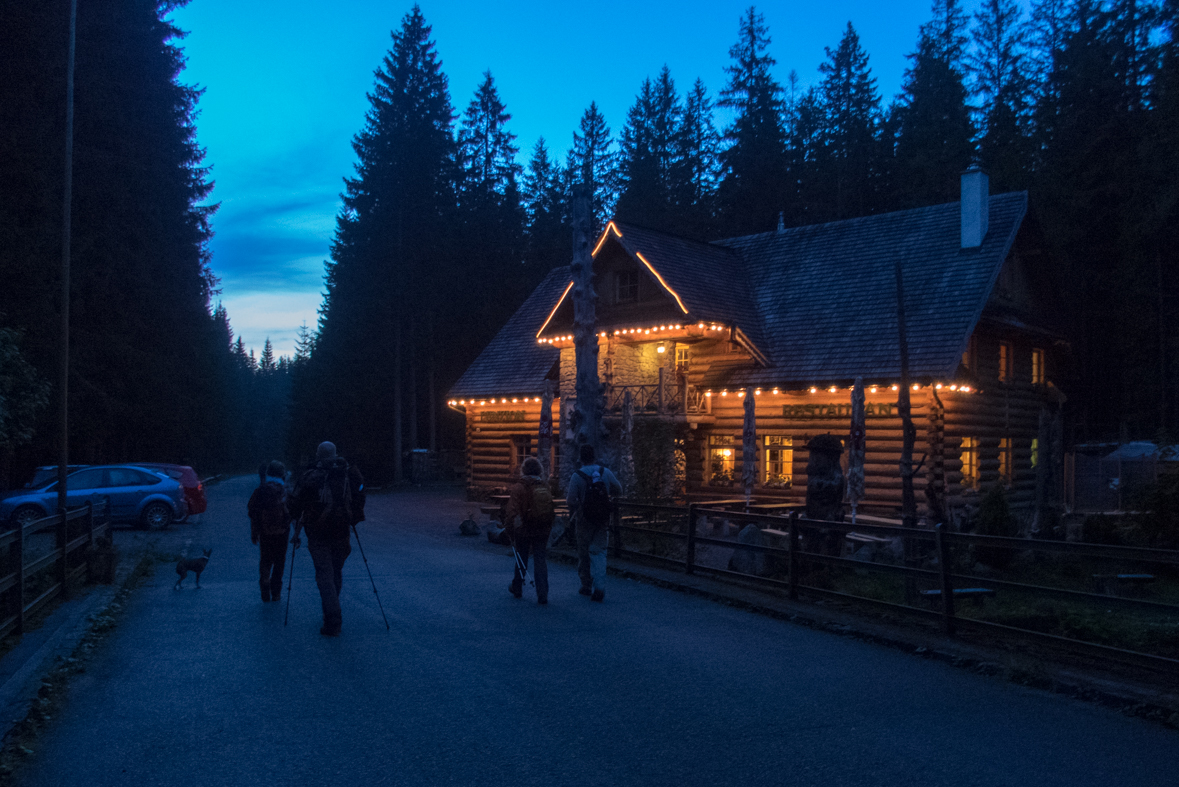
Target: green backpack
(538, 513)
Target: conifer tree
(547, 234)
(648, 155)
(694, 169)
(933, 129)
(391, 241)
(593, 160)
(997, 65)
(754, 181)
(852, 107)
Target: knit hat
(326, 450)
(276, 469)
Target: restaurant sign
(815, 412)
(504, 417)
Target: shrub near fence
(30, 582)
(1119, 603)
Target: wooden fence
(806, 543)
(45, 576)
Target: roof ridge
(855, 219)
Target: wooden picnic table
(773, 506)
(732, 501)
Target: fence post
(690, 560)
(90, 545)
(794, 555)
(20, 578)
(943, 559)
(64, 566)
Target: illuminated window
(1004, 362)
(779, 462)
(722, 456)
(1037, 367)
(970, 462)
(1035, 452)
(1005, 460)
(627, 286)
(681, 357)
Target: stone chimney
(975, 203)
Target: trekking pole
(521, 565)
(370, 578)
(290, 581)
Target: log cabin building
(793, 317)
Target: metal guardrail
(13, 586)
(793, 526)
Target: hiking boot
(598, 595)
(583, 590)
(516, 590)
(266, 595)
(329, 630)
(276, 595)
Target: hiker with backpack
(270, 522)
(328, 500)
(529, 520)
(592, 490)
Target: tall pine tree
(755, 183)
(934, 134)
(648, 155)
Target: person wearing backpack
(592, 490)
(529, 519)
(269, 526)
(327, 501)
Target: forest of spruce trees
(442, 231)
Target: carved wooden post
(585, 323)
(544, 441)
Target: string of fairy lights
(739, 393)
(697, 330)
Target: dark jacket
(268, 511)
(518, 499)
(578, 485)
(308, 506)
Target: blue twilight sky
(286, 82)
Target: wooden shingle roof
(818, 301)
(513, 363)
(827, 293)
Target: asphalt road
(473, 687)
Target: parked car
(48, 473)
(194, 490)
(149, 499)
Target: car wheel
(26, 515)
(156, 516)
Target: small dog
(193, 564)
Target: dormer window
(626, 287)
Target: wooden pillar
(585, 322)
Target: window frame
(1038, 375)
(728, 474)
(626, 286)
(970, 467)
(1006, 362)
(785, 478)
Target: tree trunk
(412, 388)
(585, 337)
(397, 476)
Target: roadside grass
(21, 741)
